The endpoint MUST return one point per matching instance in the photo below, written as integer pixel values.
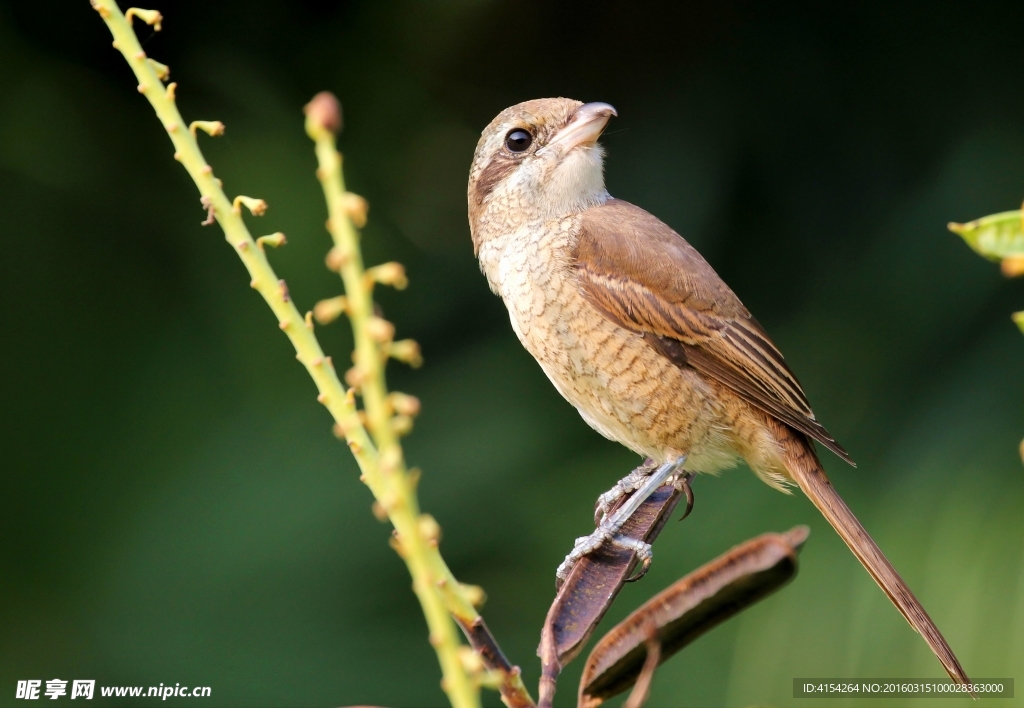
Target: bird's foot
(642, 481)
(588, 544)
(630, 483)
(643, 553)
(583, 546)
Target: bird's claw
(683, 484)
(643, 553)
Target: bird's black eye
(518, 140)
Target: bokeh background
(174, 508)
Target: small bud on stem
(150, 17)
(392, 273)
(326, 311)
(323, 113)
(404, 404)
(380, 330)
(274, 240)
(356, 208)
(257, 207)
(407, 351)
(430, 530)
(336, 258)
(210, 127)
(401, 425)
(162, 70)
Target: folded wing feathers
(686, 327)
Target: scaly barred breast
(622, 387)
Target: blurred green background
(174, 508)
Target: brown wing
(642, 275)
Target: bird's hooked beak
(584, 128)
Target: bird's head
(537, 160)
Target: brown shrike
(638, 332)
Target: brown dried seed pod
(687, 609)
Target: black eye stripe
(500, 167)
(518, 140)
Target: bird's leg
(643, 549)
(608, 529)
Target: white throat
(553, 187)
(572, 184)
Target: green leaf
(1018, 318)
(995, 236)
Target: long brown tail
(803, 464)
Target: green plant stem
(385, 475)
(298, 329)
(416, 542)
(370, 357)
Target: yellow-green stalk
(384, 473)
(346, 213)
